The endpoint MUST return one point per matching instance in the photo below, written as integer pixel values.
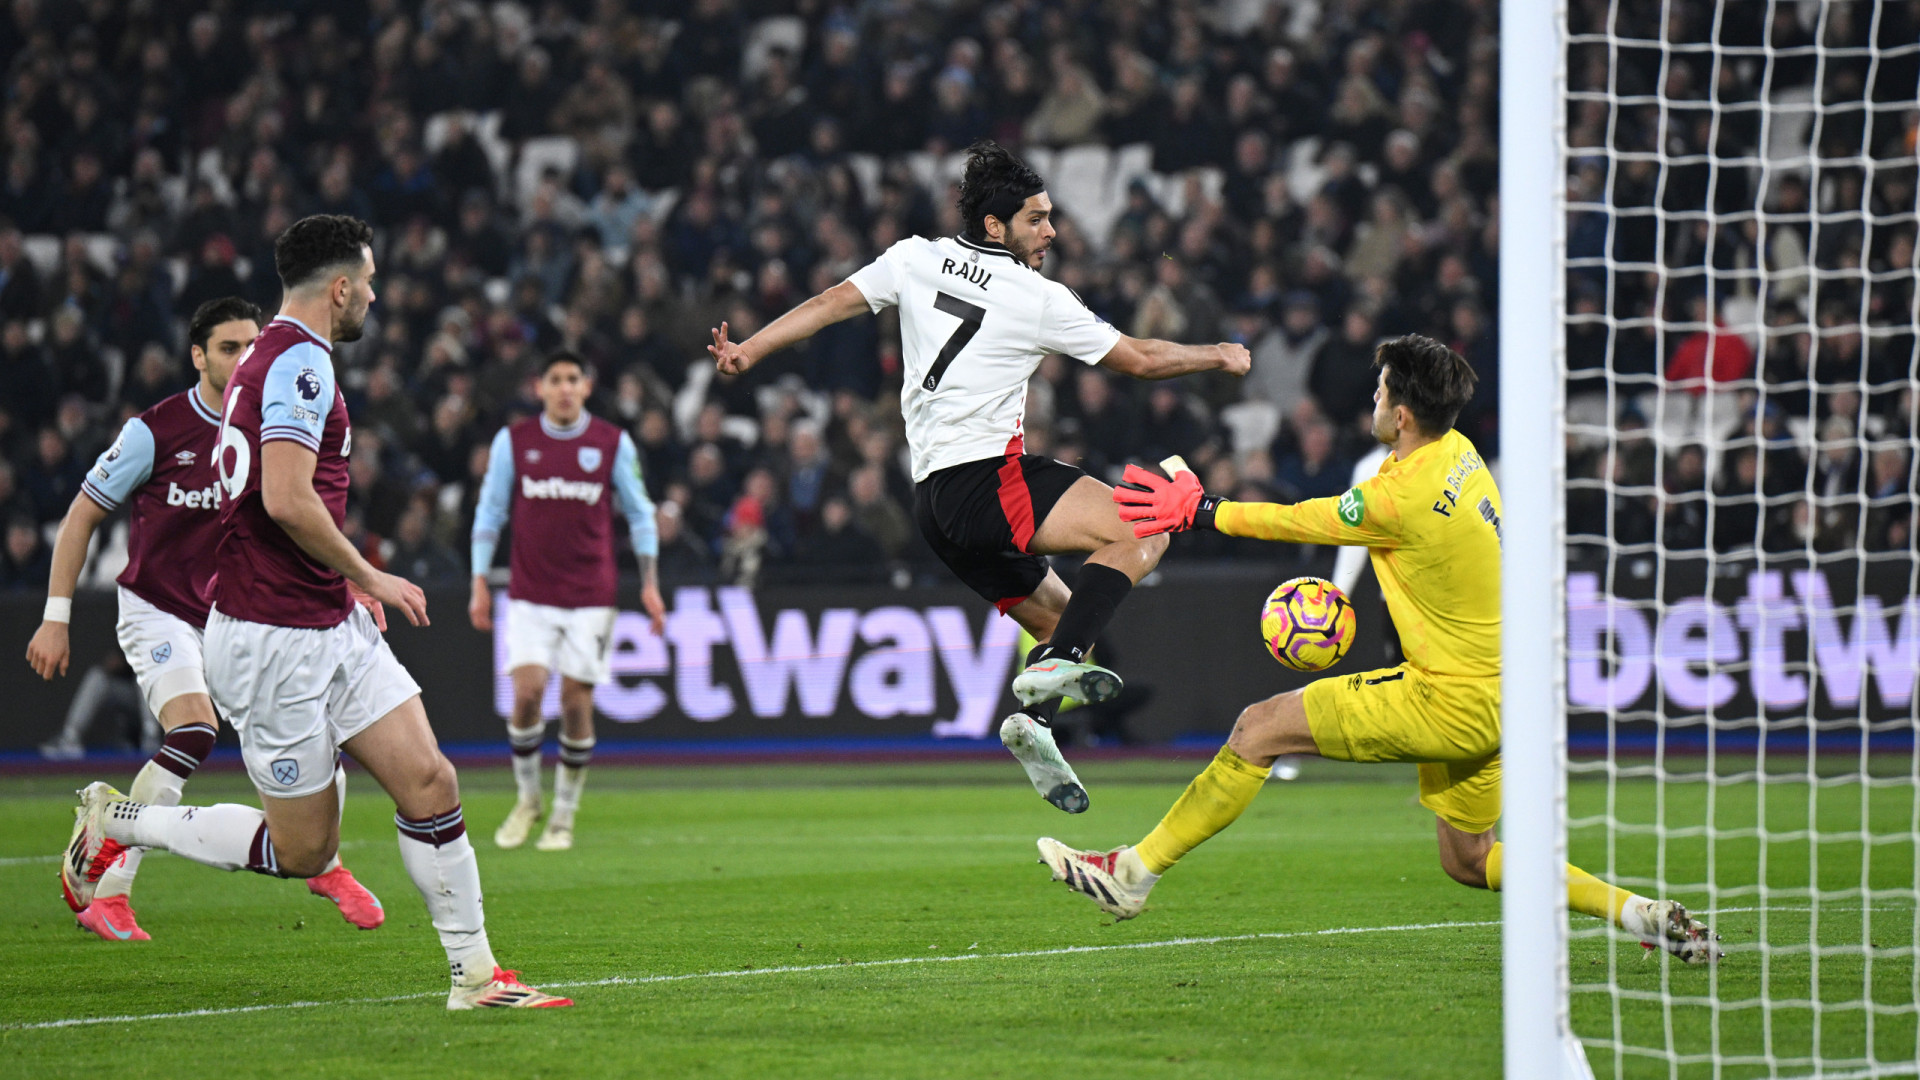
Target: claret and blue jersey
(283, 389)
(560, 487)
(162, 469)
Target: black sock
(1095, 596)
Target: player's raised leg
(526, 730)
(1028, 734)
(1084, 520)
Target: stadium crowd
(1763, 385)
(617, 178)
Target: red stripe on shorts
(1016, 502)
(1006, 604)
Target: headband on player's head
(1007, 204)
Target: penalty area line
(793, 969)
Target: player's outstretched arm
(837, 304)
(1363, 517)
(49, 651)
(1151, 358)
(286, 492)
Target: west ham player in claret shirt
(295, 657)
(162, 468)
(559, 477)
(976, 319)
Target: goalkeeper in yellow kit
(1431, 522)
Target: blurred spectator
(1313, 471)
(876, 512)
(416, 555)
(27, 560)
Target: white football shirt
(974, 324)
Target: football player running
(162, 467)
(1430, 520)
(976, 319)
(294, 660)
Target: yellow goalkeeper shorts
(1449, 726)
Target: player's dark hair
(995, 182)
(318, 243)
(565, 356)
(214, 312)
(1431, 380)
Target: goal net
(1739, 629)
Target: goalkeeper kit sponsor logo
(586, 491)
(1784, 643)
(1353, 508)
(724, 655)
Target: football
(1308, 624)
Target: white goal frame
(1538, 1034)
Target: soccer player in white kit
(295, 656)
(976, 319)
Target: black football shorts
(980, 518)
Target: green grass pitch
(927, 940)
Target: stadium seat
(787, 32)
(1251, 424)
(561, 152)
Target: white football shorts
(294, 695)
(163, 650)
(576, 642)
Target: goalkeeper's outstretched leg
(1357, 718)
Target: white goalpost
(1538, 1039)
(1710, 403)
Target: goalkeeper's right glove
(1158, 505)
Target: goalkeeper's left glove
(1157, 505)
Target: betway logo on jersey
(207, 498)
(1785, 645)
(722, 655)
(585, 491)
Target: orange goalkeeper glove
(1157, 505)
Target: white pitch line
(800, 969)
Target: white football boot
(1666, 924)
(1058, 677)
(503, 990)
(558, 835)
(89, 852)
(1032, 745)
(519, 824)
(1116, 880)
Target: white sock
(153, 786)
(526, 760)
(570, 778)
(225, 836)
(439, 859)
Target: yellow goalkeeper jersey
(1431, 524)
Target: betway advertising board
(726, 656)
(1833, 642)
(1837, 642)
